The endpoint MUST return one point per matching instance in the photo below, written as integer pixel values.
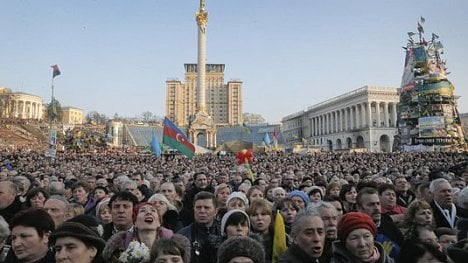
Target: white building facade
(363, 119)
(20, 105)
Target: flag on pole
(175, 138)
(56, 71)
(155, 146)
(279, 238)
(266, 139)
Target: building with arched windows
(364, 119)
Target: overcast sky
(116, 55)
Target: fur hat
(79, 231)
(239, 195)
(301, 194)
(241, 247)
(228, 214)
(355, 220)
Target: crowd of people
(128, 206)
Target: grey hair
(13, 187)
(463, 197)
(56, 188)
(434, 184)
(278, 189)
(61, 198)
(126, 183)
(4, 229)
(322, 204)
(297, 224)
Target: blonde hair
(76, 209)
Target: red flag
(275, 135)
(56, 70)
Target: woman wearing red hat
(356, 234)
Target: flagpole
(51, 152)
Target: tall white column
(202, 20)
(357, 116)
(320, 125)
(386, 114)
(315, 126)
(369, 114)
(351, 118)
(23, 115)
(394, 114)
(377, 111)
(326, 123)
(363, 114)
(340, 119)
(323, 124)
(336, 121)
(346, 119)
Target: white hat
(239, 195)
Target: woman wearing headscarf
(356, 234)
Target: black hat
(79, 231)
(241, 247)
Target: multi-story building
(223, 101)
(20, 105)
(71, 115)
(364, 119)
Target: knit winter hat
(239, 195)
(79, 231)
(355, 220)
(226, 217)
(301, 194)
(241, 247)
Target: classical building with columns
(20, 105)
(362, 119)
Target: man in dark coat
(446, 213)
(308, 234)
(204, 233)
(200, 183)
(9, 201)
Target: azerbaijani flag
(176, 139)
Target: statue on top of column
(202, 15)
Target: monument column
(202, 20)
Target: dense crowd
(128, 206)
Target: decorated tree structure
(428, 114)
